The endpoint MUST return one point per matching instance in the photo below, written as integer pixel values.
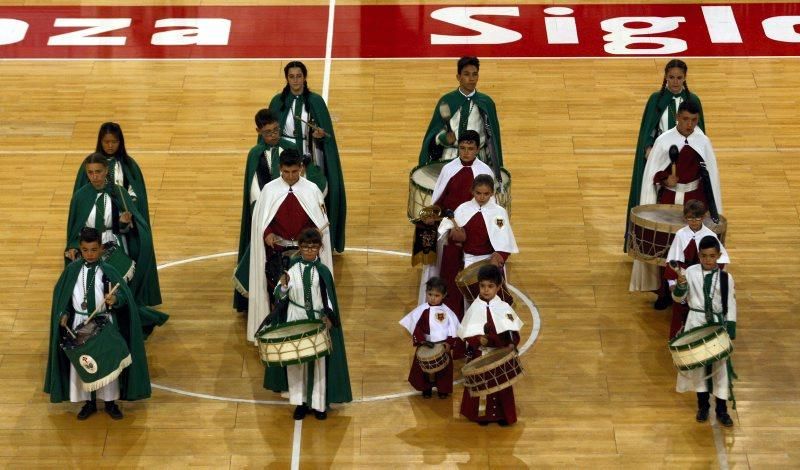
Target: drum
(700, 346)
(293, 343)
(467, 283)
(492, 372)
(241, 274)
(99, 353)
(432, 359)
(652, 228)
(422, 180)
(114, 255)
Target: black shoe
(113, 410)
(300, 412)
(442, 395)
(483, 423)
(503, 423)
(663, 302)
(702, 415)
(725, 420)
(89, 408)
(427, 393)
(321, 415)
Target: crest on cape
(88, 363)
(510, 316)
(499, 221)
(440, 316)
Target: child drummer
(308, 288)
(433, 322)
(711, 297)
(82, 289)
(683, 251)
(489, 324)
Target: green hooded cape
(145, 283)
(455, 99)
(337, 375)
(134, 382)
(132, 175)
(653, 110)
(335, 200)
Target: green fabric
(335, 200)
(336, 372)
(708, 295)
(107, 350)
(455, 100)
(650, 118)
(132, 175)
(89, 289)
(731, 326)
(100, 212)
(145, 283)
(134, 381)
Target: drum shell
(432, 360)
(312, 342)
(106, 351)
(700, 346)
(467, 282)
(492, 372)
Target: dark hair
(690, 106)
(709, 241)
(491, 273)
(672, 64)
(286, 90)
(96, 157)
(437, 284)
(483, 180)
(694, 208)
(470, 136)
(114, 129)
(290, 157)
(468, 60)
(89, 235)
(310, 236)
(264, 117)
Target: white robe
(693, 380)
(273, 194)
(685, 236)
(497, 225)
(474, 122)
(439, 330)
(503, 317)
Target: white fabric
(494, 216)
(693, 381)
(119, 178)
(439, 330)
(255, 191)
(659, 159)
(644, 277)
(108, 234)
(685, 235)
(273, 194)
(450, 170)
(291, 122)
(664, 122)
(474, 122)
(472, 259)
(80, 288)
(475, 318)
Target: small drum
(652, 228)
(114, 255)
(700, 346)
(467, 283)
(99, 353)
(492, 372)
(293, 343)
(422, 180)
(432, 359)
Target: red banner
(401, 31)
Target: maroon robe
(289, 221)
(687, 169)
(442, 380)
(458, 189)
(500, 405)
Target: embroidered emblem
(499, 222)
(88, 364)
(440, 317)
(510, 316)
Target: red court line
(406, 31)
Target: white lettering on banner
(620, 36)
(86, 37)
(560, 30)
(488, 33)
(200, 32)
(12, 31)
(721, 25)
(782, 28)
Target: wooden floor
(599, 384)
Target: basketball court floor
(570, 85)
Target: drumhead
(425, 352)
(490, 359)
(670, 217)
(469, 275)
(425, 176)
(290, 330)
(698, 335)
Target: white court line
(326, 74)
(296, 440)
(719, 443)
(370, 59)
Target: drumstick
(313, 126)
(69, 330)
(97, 309)
(124, 205)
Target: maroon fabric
(458, 190)
(679, 314)
(687, 169)
(442, 380)
(500, 405)
(452, 263)
(290, 219)
(477, 242)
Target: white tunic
(474, 122)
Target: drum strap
(328, 311)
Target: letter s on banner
(200, 31)
(12, 31)
(621, 36)
(488, 33)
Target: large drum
(114, 255)
(99, 353)
(701, 346)
(492, 372)
(652, 228)
(432, 359)
(423, 179)
(467, 283)
(292, 343)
